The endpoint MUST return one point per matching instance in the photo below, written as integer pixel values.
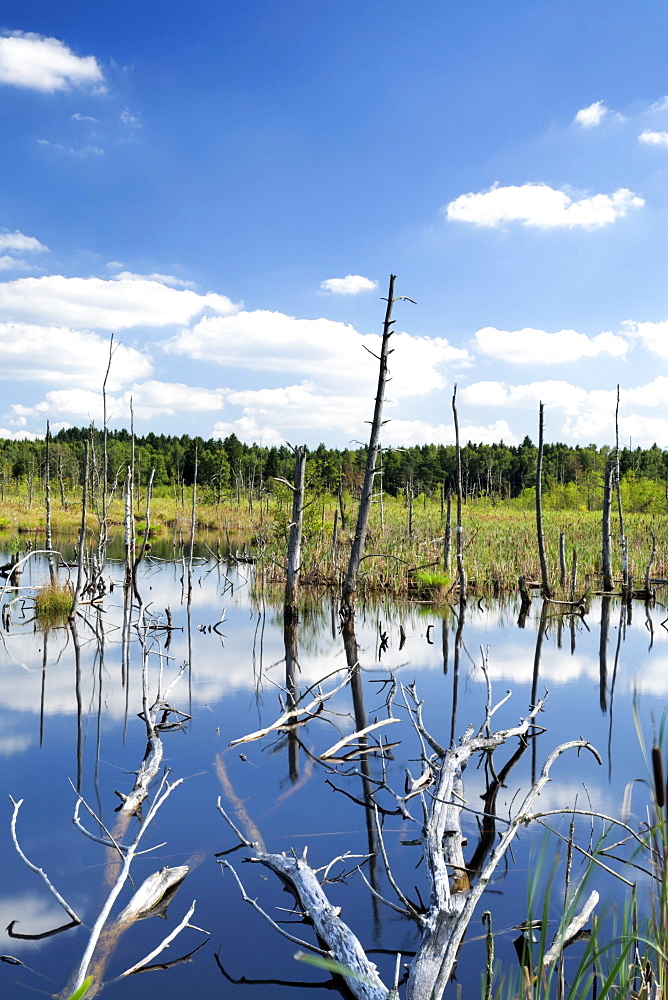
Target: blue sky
(225, 187)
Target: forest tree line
(226, 466)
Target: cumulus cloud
(653, 336)
(352, 284)
(651, 138)
(45, 64)
(540, 206)
(109, 304)
(293, 409)
(530, 346)
(20, 242)
(555, 393)
(149, 400)
(60, 355)
(8, 263)
(14, 243)
(330, 351)
(575, 414)
(592, 115)
(164, 279)
(409, 432)
(18, 435)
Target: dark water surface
(65, 726)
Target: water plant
(53, 603)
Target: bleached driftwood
(292, 715)
(154, 894)
(454, 890)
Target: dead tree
(627, 584)
(350, 582)
(461, 572)
(606, 546)
(290, 606)
(544, 574)
(82, 538)
(455, 887)
(47, 503)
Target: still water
(71, 725)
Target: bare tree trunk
(82, 538)
(290, 608)
(563, 571)
(129, 529)
(104, 529)
(447, 535)
(545, 580)
(623, 541)
(47, 501)
(606, 554)
(350, 583)
(193, 525)
(461, 572)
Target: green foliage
(53, 604)
(432, 578)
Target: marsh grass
(405, 538)
(625, 953)
(53, 603)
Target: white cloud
(76, 117)
(541, 206)
(129, 119)
(651, 138)
(660, 105)
(530, 346)
(409, 432)
(73, 150)
(352, 284)
(296, 408)
(555, 393)
(64, 356)
(109, 304)
(575, 414)
(329, 351)
(18, 435)
(653, 336)
(164, 279)
(45, 64)
(592, 115)
(8, 263)
(20, 242)
(149, 400)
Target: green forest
(571, 475)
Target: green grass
(499, 537)
(53, 603)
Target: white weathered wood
(342, 943)
(154, 894)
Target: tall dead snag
(350, 582)
(82, 538)
(461, 572)
(606, 547)
(290, 607)
(544, 575)
(47, 502)
(627, 586)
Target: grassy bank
(407, 547)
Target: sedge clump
(53, 603)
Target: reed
(53, 603)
